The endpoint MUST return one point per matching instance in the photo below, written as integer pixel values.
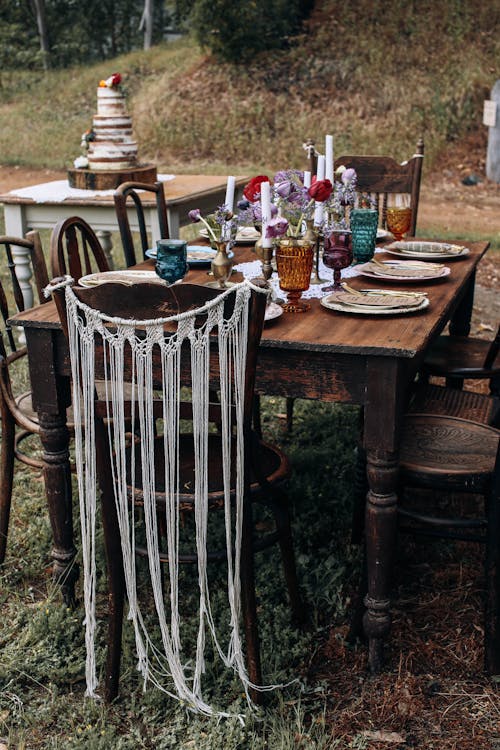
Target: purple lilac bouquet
(221, 225)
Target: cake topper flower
(112, 82)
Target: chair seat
(273, 466)
(460, 355)
(453, 402)
(460, 452)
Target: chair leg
(492, 574)
(249, 604)
(6, 475)
(114, 563)
(281, 515)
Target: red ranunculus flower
(320, 190)
(252, 190)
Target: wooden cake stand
(104, 179)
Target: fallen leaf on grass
(380, 735)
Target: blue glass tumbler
(364, 223)
(171, 260)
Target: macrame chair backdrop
(133, 350)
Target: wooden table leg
(51, 397)
(385, 398)
(57, 475)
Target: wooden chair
(381, 176)
(75, 249)
(446, 454)
(450, 455)
(15, 410)
(266, 467)
(129, 190)
(459, 358)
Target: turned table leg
(387, 381)
(57, 475)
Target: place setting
(404, 271)
(375, 301)
(427, 250)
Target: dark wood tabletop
(321, 354)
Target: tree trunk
(147, 23)
(41, 21)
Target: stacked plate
(403, 270)
(243, 235)
(428, 250)
(376, 302)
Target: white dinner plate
(382, 234)
(366, 310)
(197, 255)
(273, 311)
(126, 277)
(243, 235)
(422, 271)
(427, 250)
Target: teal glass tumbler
(171, 260)
(364, 223)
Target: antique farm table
(42, 206)
(321, 354)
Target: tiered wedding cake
(111, 156)
(113, 146)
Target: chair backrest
(128, 192)
(155, 338)
(75, 249)
(11, 296)
(381, 176)
(493, 351)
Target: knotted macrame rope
(165, 667)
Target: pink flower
(276, 227)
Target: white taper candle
(229, 200)
(329, 157)
(265, 207)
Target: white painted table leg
(107, 245)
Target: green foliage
(239, 30)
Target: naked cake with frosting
(111, 151)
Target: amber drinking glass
(337, 254)
(398, 220)
(294, 261)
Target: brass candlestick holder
(315, 235)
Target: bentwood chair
(75, 249)
(450, 459)
(446, 454)
(18, 418)
(128, 196)
(265, 467)
(381, 176)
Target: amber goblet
(294, 261)
(398, 220)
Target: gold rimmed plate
(403, 271)
(427, 250)
(372, 304)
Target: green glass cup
(364, 223)
(171, 260)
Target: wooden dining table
(322, 354)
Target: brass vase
(294, 260)
(221, 266)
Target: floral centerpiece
(293, 203)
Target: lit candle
(329, 157)
(307, 179)
(318, 207)
(229, 200)
(265, 207)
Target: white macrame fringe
(85, 325)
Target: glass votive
(364, 223)
(171, 260)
